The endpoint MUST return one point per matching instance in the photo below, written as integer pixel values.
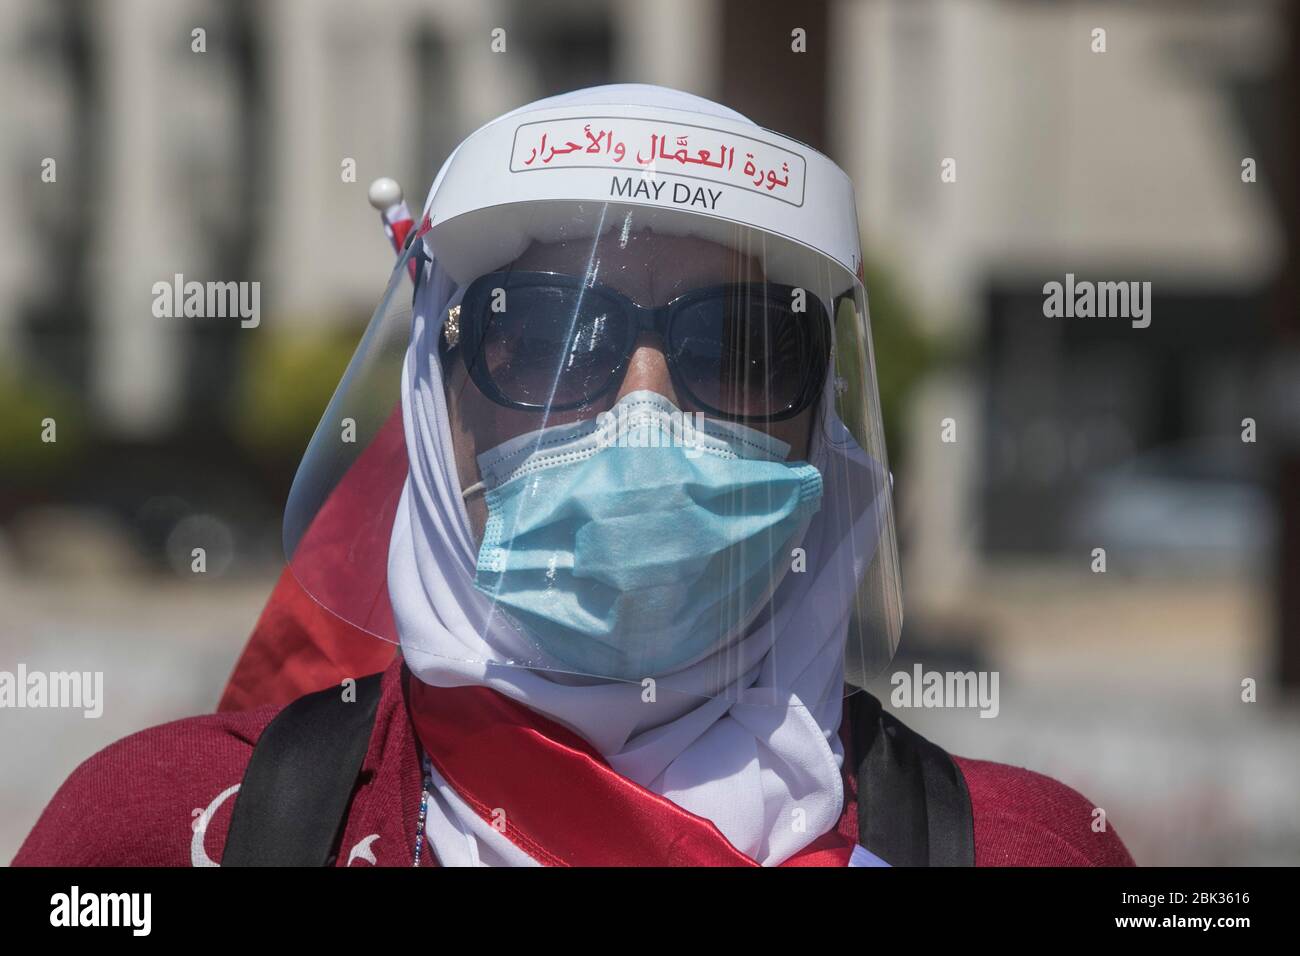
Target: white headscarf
(768, 776)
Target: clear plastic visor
(603, 443)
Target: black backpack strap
(913, 805)
(296, 789)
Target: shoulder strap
(913, 805)
(290, 807)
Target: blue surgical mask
(632, 544)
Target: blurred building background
(1071, 434)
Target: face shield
(603, 441)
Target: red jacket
(162, 797)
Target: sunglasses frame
(475, 317)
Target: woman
(613, 481)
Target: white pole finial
(384, 193)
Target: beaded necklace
(426, 787)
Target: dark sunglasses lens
(747, 354)
(549, 345)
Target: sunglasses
(545, 340)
